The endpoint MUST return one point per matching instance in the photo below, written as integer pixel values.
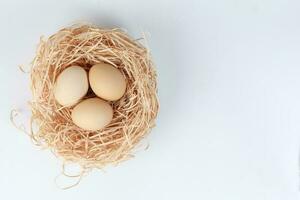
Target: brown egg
(71, 85)
(92, 114)
(107, 82)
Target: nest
(134, 113)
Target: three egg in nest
(72, 85)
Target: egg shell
(92, 114)
(107, 81)
(71, 85)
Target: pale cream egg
(107, 82)
(71, 85)
(92, 114)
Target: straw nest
(134, 113)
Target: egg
(71, 85)
(92, 114)
(107, 82)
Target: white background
(229, 79)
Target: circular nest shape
(134, 113)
